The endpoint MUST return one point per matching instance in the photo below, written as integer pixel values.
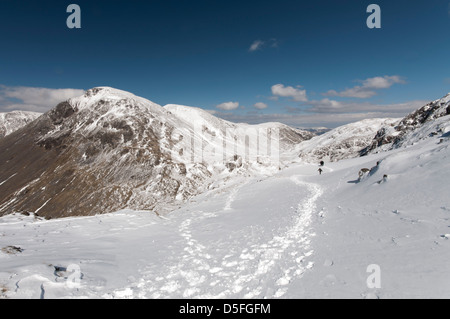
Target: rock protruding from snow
(13, 121)
(388, 138)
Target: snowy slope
(295, 234)
(12, 121)
(401, 225)
(199, 116)
(220, 131)
(343, 142)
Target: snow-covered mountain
(294, 234)
(289, 234)
(343, 142)
(375, 135)
(226, 132)
(317, 130)
(413, 126)
(12, 121)
(109, 149)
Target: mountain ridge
(12, 121)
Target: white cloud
(260, 106)
(327, 104)
(288, 91)
(256, 45)
(260, 44)
(228, 106)
(368, 87)
(34, 99)
(382, 82)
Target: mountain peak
(107, 99)
(108, 91)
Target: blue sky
(304, 63)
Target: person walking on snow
(320, 171)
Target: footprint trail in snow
(236, 251)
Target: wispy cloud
(260, 44)
(297, 95)
(338, 107)
(33, 99)
(303, 120)
(228, 106)
(260, 106)
(256, 45)
(368, 88)
(327, 113)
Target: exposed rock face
(394, 137)
(105, 151)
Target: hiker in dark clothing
(320, 171)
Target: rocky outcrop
(394, 137)
(342, 142)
